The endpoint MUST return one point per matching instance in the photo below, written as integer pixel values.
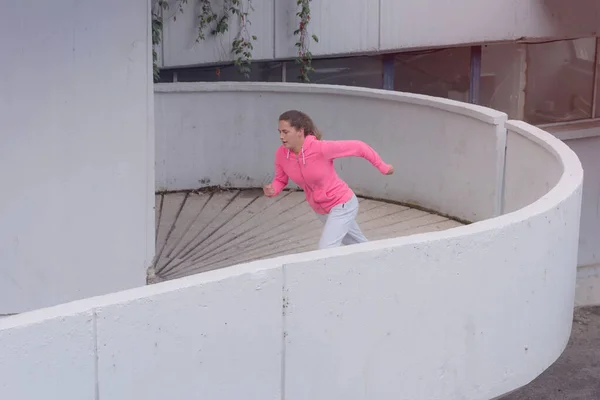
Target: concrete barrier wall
(449, 155)
(531, 166)
(472, 312)
(526, 161)
(76, 150)
(215, 335)
(588, 285)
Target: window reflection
(560, 80)
(441, 73)
(502, 83)
(348, 71)
(260, 72)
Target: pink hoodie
(312, 169)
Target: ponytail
(316, 134)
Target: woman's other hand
(268, 190)
(391, 170)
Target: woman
(308, 161)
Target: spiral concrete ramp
(202, 231)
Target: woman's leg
(354, 235)
(340, 226)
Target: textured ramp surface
(199, 232)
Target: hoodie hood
(308, 141)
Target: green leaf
(315, 38)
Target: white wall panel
(76, 152)
(180, 35)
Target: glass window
(261, 72)
(560, 80)
(502, 82)
(440, 72)
(165, 76)
(349, 71)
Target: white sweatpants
(340, 226)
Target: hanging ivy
(157, 28)
(217, 22)
(304, 55)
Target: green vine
(304, 55)
(217, 23)
(157, 28)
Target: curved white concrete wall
(585, 142)
(523, 169)
(226, 134)
(76, 150)
(531, 167)
(472, 312)
(381, 25)
(588, 288)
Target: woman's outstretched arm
(280, 180)
(333, 149)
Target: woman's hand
(268, 190)
(391, 170)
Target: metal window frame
(595, 80)
(475, 76)
(388, 72)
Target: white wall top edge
(542, 138)
(572, 175)
(484, 114)
(125, 296)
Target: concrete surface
(587, 149)
(40, 351)
(576, 374)
(201, 231)
(216, 340)
(76, 150)
(530, 170)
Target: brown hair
(300, 120)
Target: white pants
(340, 226)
